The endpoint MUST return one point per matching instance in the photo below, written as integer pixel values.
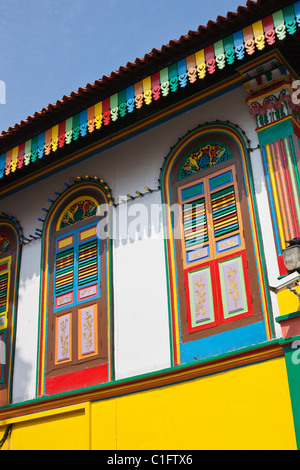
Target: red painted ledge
(76, 380)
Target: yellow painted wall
(245, 408)
(288, 302)
(63, 429)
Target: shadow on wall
(22, 379)
(27, 324)
(138, 220)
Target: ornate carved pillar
(274, 105)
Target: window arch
(10, 251)
(76, 302)
(215, 270)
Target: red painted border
(282, 269)
(211, 265)
(217, 292)
(76, 380)
(247, 287)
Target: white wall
(140, 294)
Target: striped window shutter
(88, 263)
(64, 270)
(77, 268)
(224, 212)
(195, 223)
(5, 266)
(3, 293)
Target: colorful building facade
(143, 225)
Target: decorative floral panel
(63, 338)
(79, 211)
(202, 309)
(203, 158)
(233, 287)
(88, 338)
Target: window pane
(195, 223)
(87, 263)
(224, 212)
(3, 292)
(64, 271)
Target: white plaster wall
(27, 325)
(140, 295)
(266, 229)
(141, 320)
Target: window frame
(256, 313)
(185, 347)
(51, 379)
(54, 367)
(8, 329)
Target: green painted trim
(292, 362)
(39, 313)
(288, 316)
(179, 368)
(287, 341)
(168, 287)
(279, 130)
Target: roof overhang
(182, 75)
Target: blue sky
(50, 48)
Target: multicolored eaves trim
(168, 80)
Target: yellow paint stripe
(88, 233)
(65, 242)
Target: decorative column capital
(274, 103)
(272, 98)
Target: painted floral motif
(88, 337)
(5, 245)
(274, 107)
(233, 287)
(200, 293)
(202, 158)
(80, 211)
(64, 339)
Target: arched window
(215, 266)
(10, 248)
(76, 297)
